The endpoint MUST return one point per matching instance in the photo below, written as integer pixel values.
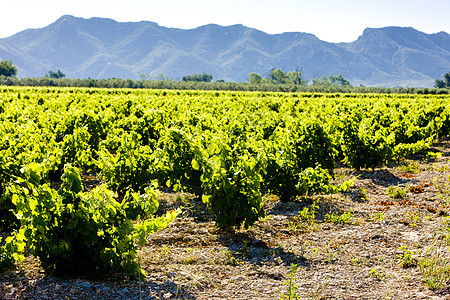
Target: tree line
(276, 80)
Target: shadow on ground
(49, 287)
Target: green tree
(295, 77)
(278, 76)
(255, 78)
(7, 68)
(338, 80)
(322, 80)
(440, 84)
(198, 77)
(56, 75)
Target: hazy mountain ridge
(104, 48)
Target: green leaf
(195, 164)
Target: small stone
(239, 278)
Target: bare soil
(372, 255)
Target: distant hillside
(104, 48)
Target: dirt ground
(362, 244)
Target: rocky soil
(362, 244)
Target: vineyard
(84, 173)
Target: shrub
(8, 173)
(133, 166)
(344, 218)
(231, 184)
(315, 181)
(87, 234)
(397, 192)
(305, 221)
(11, 251)
(293, 154)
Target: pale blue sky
(330, 20)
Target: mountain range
(104, 48)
